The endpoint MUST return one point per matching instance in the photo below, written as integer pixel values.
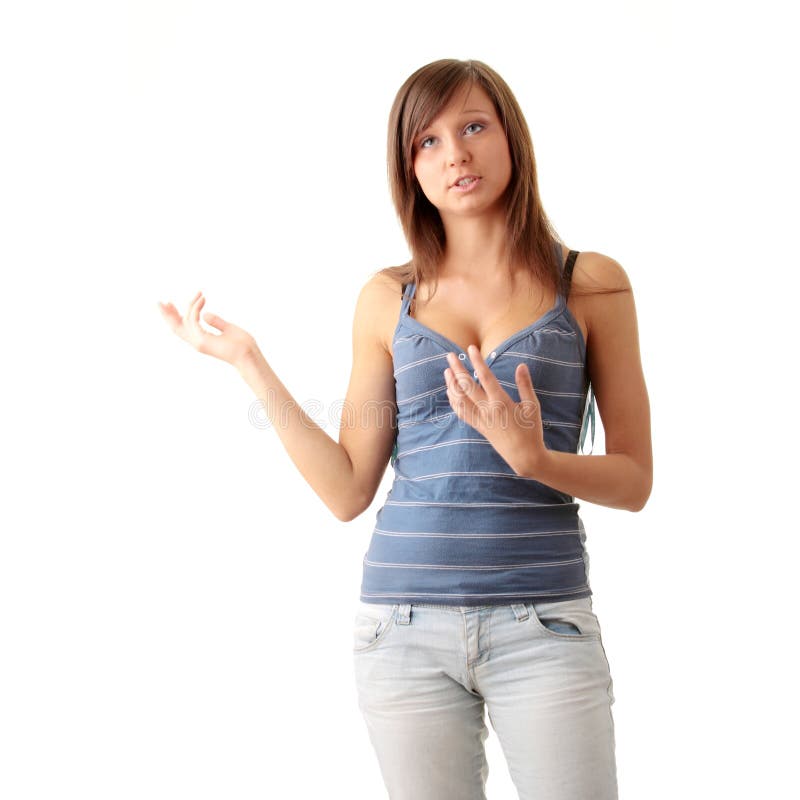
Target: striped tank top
(459, 526)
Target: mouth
(464, 181)
(470, 182)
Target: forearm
(323, 462)
(613, 480)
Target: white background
(176, 603)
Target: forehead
(470, 97)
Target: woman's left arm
(623, 478)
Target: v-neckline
(496, 351)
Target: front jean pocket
(371, 624)
(565, 619)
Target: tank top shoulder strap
(408, 293)
(568, 266)
(588, 421)
(589, 409)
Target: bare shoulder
(378, 306)
(596, 271)
(600, 289)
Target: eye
(430, 138)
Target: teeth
(465, 181)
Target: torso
(486, 315)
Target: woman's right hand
(232, 345)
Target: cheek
(505, 173)
(501, 154)
(426, 183)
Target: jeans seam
(390, 623)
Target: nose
(458, 152)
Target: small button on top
(475, 373)
(493, 354)
(462, 356)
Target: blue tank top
(459, 526)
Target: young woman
(488, 347)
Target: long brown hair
(530, 235)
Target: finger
(170, 314)
(215, 321)
(522, 376)
(459, 397)
(454, 394)
(198, 306)
(193, 317)
(187, 317)
(453, 384)
(487, 378)
(529, 407)
(461, 377)
(193, 301)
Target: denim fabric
(424, 673)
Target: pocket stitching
(388, 626)
(576, 637)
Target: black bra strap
(570, 263)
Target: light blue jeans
(424, 672)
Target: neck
(475, 248)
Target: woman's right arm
(344, 474)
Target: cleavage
(502, 325)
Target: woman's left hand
(514, 429)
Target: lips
(461, 178)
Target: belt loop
(404, 614)
(520, 611)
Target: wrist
(536, 464)
(249, 360)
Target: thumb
(217, 322)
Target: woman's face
(467, 138)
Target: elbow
(640, 501)
(345, 514)
(349, 512)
